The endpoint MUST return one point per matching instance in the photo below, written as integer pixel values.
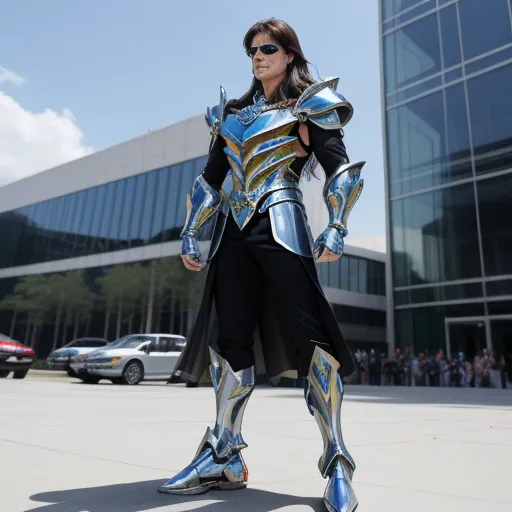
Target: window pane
(103, 243)
(450, 36)
(148, 207)
(495, 206)
(393, 7)
(334, 274)
(427, 145)
(115, 221)
(68, 237)
(88, 214)
(503, 287)
(363, 275)
(412, 53)
(56, 241)
(81, 221)
(174, 190)
(137, 207)
(490, 105)
(485, 25)
(344, 271)
(127, 211)
(354, 274)
(97, 220)
(41, 219)
(443, 293)
(423, 328)
(24, 249)
(188, 176)
(434, 237)
(323, 273)
(161, 200)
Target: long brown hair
(297, 77)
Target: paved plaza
(72, 447)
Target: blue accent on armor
(339, 495)
(324, 397)
(248, 114)
(323, 373)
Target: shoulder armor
(215, 115)
(321, 104)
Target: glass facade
(447, 67)
(144, 209)
(46, 311)
(354, 274)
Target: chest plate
(260, 146)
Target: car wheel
(4, 374)
(72, 373)
(132, 373)
(20, 374)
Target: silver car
(132, 359)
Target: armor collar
(249, 114)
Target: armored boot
(324, 394)
(218, 463)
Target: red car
(14, 357)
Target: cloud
(31, 142)
(11, 77)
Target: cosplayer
(262, 281)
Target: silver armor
(324, 395)
(341, 191)
(261, 144)
(218, 462)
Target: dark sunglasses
(266, 49)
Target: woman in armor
(262, 282)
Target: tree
(124, 288)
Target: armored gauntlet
(341, 191)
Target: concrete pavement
(72, 447)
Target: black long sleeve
(328, 147)
(217, 166)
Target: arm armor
(341, 191)
(204, 201)
(321, 104)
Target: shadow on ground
(143, 496)
(463, 397)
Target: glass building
(91, 248)
(447, 114)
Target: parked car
(131, 359)
(60, 358)
(14, 357)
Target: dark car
(14, 357)
(60, 358)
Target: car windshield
(128, 342)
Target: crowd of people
(433, 369)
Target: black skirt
(274, 349)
